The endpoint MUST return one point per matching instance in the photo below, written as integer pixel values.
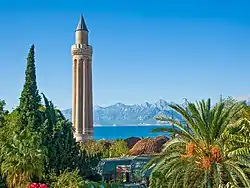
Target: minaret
(82, 97)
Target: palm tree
(198, 157)
(237, 135)
(22, 159)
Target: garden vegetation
(210, 148)
(37, 146)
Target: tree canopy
(30, 99)
(36, 140)
(199, 156)
(3, 112)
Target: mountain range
(122, 114)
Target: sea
(113, 132)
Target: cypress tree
(30, 99)
(3, 112)
(63, 152)
(58, 138)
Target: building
(82, 97)
(126, 170)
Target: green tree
(3, 112)
(237, 135)
(92, 146)
(118, 149)
(57, 134)
(30, 98)
(32, 129)
(158, 180)
(199, 158)
(22, 159)
(88, 165)
(96, 147)
(9, 127)
(228, 101)
(63, 150)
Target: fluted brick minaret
(82, 97)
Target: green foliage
(3, 112)
(88, 165)
(93, 147)
(118, 148)
(2, 184)
(228, 101)
(158, 180)
(199, 157)
(237, 135)
(58, 138)
(4, 133)
(63, 151)
(37, 140)
(99, 147)
(10, 126)
(72, 179)
(30, 98)
(68, 179)
(22, 158)
(105, 185)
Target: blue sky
(143, 50)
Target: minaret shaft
(74, 74)
(82, 95)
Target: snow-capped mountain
(121, 114)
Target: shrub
(22, 159)
(67, 179)
(118, 149)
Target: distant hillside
(121, 114)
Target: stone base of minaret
(81, 137)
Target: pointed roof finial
(81, 24)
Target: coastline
(111, 132)
(130, 125)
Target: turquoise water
(121, 131)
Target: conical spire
(81, 25)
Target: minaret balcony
(81, 49)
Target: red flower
(36, 185)
(43, 186)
